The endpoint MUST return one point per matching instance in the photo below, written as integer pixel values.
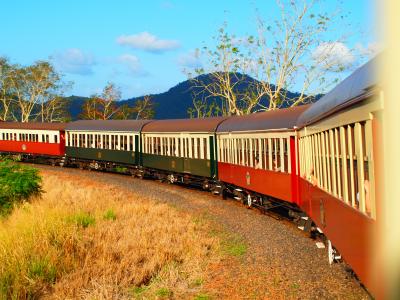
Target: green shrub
(42, 269)
(163, 292)
(109, 215)
(82, 219)
(202, 297)
(17, 183)
(136, 291)
(233, 245)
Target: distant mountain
(174, 103)
(75, 105)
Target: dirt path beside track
(272, 258)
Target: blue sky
(141, 46)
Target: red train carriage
(337, 150)
(256, 153)
(37, 139)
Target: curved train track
(279, 257)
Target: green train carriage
(180, 150)
(99, 144)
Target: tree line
(300, 49)
(35, 93)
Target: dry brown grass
(82, 240)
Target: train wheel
(332, 253)
(223, 194)
(249, 201)
(170, 178)
(205, 185)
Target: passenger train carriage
(257, 154)
(338, 145)
(104, 144)
(315, 160)
(174, 148)
(33, 139)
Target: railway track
(278, 254)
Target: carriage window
(125, 143)
(171, 150)
(104, 145)
(198, 148)
(239, 152)
(169, 146)
(112, 142)
(150, 148)
(184, 147)
(116, 142)
(131, 148)
(121, 142)
(226, 148)
(165, 146)
(89, 141)
(158, 145)
(338, 161)
(178, 147)
(55, 139)
(97, 143)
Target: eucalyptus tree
(34, 91)
(6, 99)
(298, 49)
(102, 106)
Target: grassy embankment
(82, 240)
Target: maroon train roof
(285, 118)
(107, 125)
(33, 126)
(184, 125)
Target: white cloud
(147, 42)
(74, 61)
(190, 60)
(132, 62)
(334, 56)
(370, 50)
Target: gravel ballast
(280, 261)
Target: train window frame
(341, 157)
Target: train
(315, 161)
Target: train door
(138, 151)
(213, 156)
